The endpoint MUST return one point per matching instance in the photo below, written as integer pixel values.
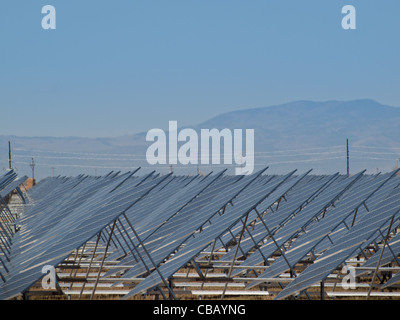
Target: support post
(322, 292)
(380, 258)
(90, 264)
(149, 256)
(276, 244)
(74, 271)
(236, 250)
(104, 258)
(209, 262)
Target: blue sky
(119, 67)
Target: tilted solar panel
(363, 233)
(304, 244)
(240, 208)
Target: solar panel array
(8, 183)
(140, 234)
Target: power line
(167, 166)
(135, 154)
(165, 155)
(50, 165)
(77, 153)
(374, 158)
(370, 147)
(372, 152)
(76, 158)
(304, 155)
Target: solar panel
(6, 178)
(259, 232)
(300, 221)
(307, 242)
(154, 225)
(363, 233)
(167, 215)
(12, 186)
(75, 229)
(243, 205)
(170, 238)
(392, 250)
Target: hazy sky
(118, 67)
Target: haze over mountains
(298, 135)
(307, 124)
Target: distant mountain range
(297, 135)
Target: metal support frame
(256, 245)
(104, 258)
(209, 261)
(149, 256)
(127, 236)
(391, 251)
(276, 244)
(74, 271)
(236, 250)
(90, 264)
(292, 272)
(380, 257)
(116, 234)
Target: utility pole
(347, 150)
(9, 155)
(32, 165)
